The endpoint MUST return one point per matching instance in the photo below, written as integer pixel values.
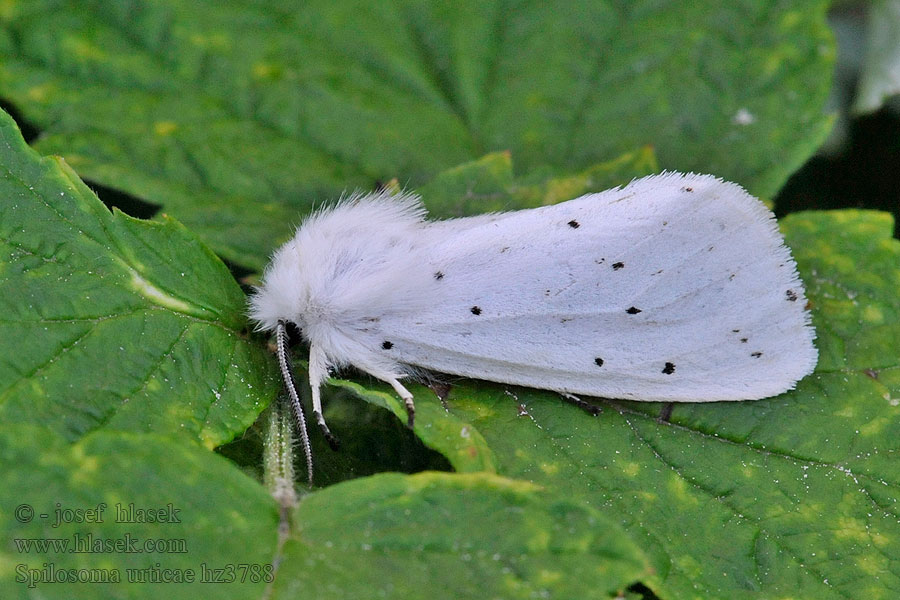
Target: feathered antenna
(284, 361)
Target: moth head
(283, 292)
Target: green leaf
(426, 536)
(489, 184)
(793, 496)
(236, 117)
(208, 514)
(111, 322)
(437, 535)
(436, 427)
(854, 265)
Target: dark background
(863, 174)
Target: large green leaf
(109, 322)
(236, 115)
(69, 507)
(793, 496)
(437, 535)
(425, 536)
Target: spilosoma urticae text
(674, 288)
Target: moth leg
(318, 372)
(591, 409)
(665, 413)
(442, 390)
(405, 394)
(407, 397)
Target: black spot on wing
(669, 368)
(475, 310)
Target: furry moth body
(674, 288)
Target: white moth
(674, 288)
